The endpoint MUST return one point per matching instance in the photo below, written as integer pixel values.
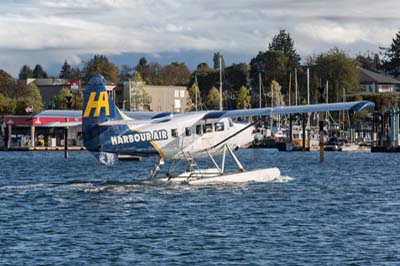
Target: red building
(46, 129)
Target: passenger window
(174, 132)
(188, 131)
(208, 128)
(198, 130)
(219, 126)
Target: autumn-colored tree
(213, 98)
(100, 64)
(244, 98)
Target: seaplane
(109, 132)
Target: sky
(48, 32)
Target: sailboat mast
(290, 88)
(220, 83)
(295, 84)
(197, 88)
(259, 87)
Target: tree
(39, 73)
(193, 93)
(7, 84)
(143, 69)
(66, 71)
(275, 94)
(125, 72)
(60, 98)
(25, 73)
(175, 74)
(100, 64)
(272, 65)
(244, 98)
(370, 62)
(76, 74)
(31, 96)
(216, 57)
(284, 43)
(7, 105)
(339, 70)
(391, 60)
(213, 98)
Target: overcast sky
(50, 31)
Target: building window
(176, 93)
(182, 94)
(174, 132)
(219, 126)
(188, 131)
(177, 103)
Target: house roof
(367, 76)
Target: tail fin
(98, 107)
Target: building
(50, 87)
(167, 98)
(376, 83)
(45, 129)
(136, 96)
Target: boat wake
(129, 187)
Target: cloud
(53, 30)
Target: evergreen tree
(391, 60)
(216, 57)
(284, 43)
(66, 71)
(76, 74)
(25, 73)
(39, 73)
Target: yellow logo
(102, 102)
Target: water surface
(56, 211)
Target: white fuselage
(191, 135)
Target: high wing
(311, 108)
